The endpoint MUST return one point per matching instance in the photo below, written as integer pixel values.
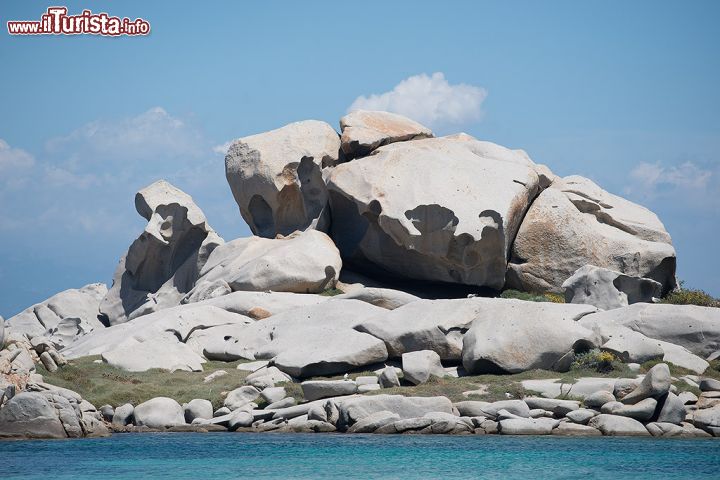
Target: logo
(56, 21)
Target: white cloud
(430, 100)
(653, 179)
(14, 159)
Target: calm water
(255, 456)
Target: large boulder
(159, 412)
(420, 365)
(49, 413)
(617, 425)
(363, 131)
(437, 325)
(308, 341)
(276, 177)
(512, 336)
(655, 384)
(457, 228)
(164, 262)
(608, 289)
(574, 223)
(695, 328)
(157, 340)
(304, 262)
(63, 317)
(354, 409)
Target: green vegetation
(689, 296)
(331, 292)
(597, 360)
(533, 297)
(101, 384)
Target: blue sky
(625, 93)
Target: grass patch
(100, 383)
(532, 297)
(331, 292)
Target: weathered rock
(31, 415)
(598, 399)
(607, 289)
(389, 378)
(472, 408)
(709, 385)
(161, 335)
(302, 262)
(707, 418)
(617, 425)
(642, 411)
(267, 377)
(458, 228)
(319, 340)
(159, 412)
(273, 394)
(170, 356)
(527, 426)
(558, 407)
(123, 415)
(107, 412)
(316, 389)
(695, 328)
(628, 345)
(239, 419)
(198, 408)
(581, 415)
(164, 262)
(284, 403)
(386, 298)
(623, 386)
(56, 316)
(317, 412)
(436, 325)
(671, 409)
(364, 131)
(240, 397)
(575, 223)
(260, 305)
(419, 366)
(576, 430)
(656, 383)
(513, 336)
(374, 421)
(357, 408)
(687, 398)
(276, 177)
(404, 425)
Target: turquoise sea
(314, 456)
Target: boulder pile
(380, 248)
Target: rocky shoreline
(385, 255)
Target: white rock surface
(420, 365)
(363, 131)
(164, 262)
(276, 177)
(512, 336)
(386, 298)
(616, 425)
(607, 289)
(457, 228)
(55, 317)
(575, 223)
(303, 262)
(159, 412)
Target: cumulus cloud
(13, 160)
(430, 100)
(86, 180)
(688, 183)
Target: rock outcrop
(304, 262)
(607, 289)
(276, 177)
(575, 223)
(164, 262)
(363, 131)
(63, 317)
(512, 336)
(457, 228)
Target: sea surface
(316, 456)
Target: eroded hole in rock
(262, 216)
